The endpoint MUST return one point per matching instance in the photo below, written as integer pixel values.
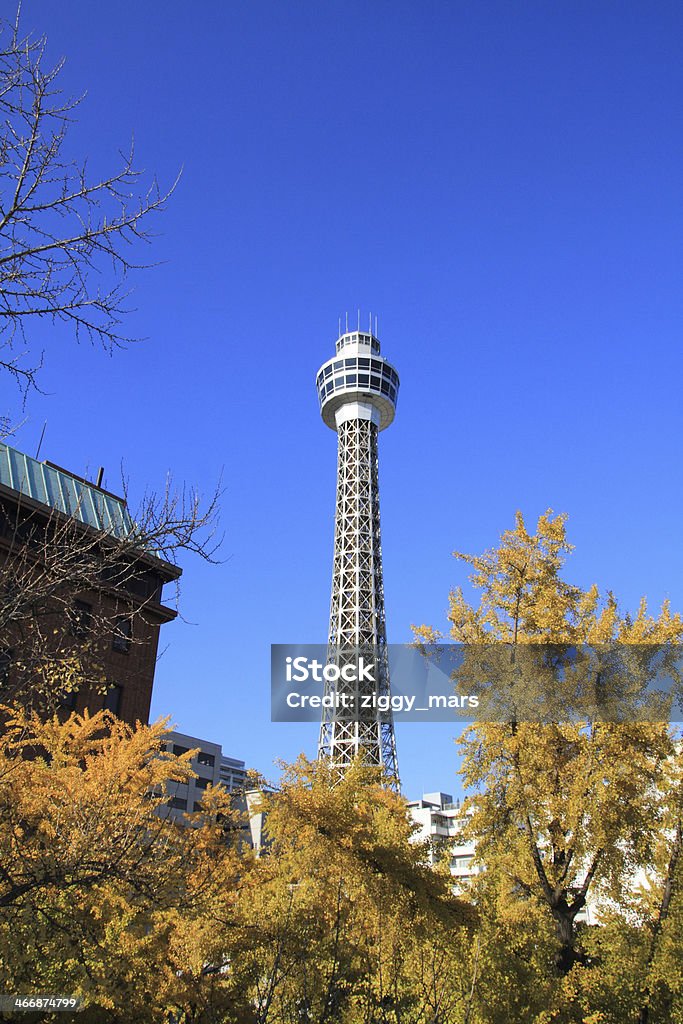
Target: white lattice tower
(358, 390)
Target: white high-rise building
(212, 766)
(441, 821)
(232, 773)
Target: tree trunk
(667, 894)
(567, 954)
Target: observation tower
(358, 390)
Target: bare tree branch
(67, 241)
(52, 566)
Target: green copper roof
(60, 490)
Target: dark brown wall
(132, 670)
(50, 632)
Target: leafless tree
(67, 240)
(53, 566)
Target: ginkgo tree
(566, 812)
(102, 896)
(354, 924)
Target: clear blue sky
(501, 184)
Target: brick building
(79, 594)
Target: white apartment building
(441, 821)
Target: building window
(26, 533)
(201, 783)
(112, 699)
(81, 618)
(5, 523)
(156, 588)
(178, 750)
(123, 635)
(178, 803)
(5, 662)
(461, 863)
(208, 759)
(68, 699)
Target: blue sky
(501, 184)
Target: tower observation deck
(358, 391)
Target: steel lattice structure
(358, 390)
